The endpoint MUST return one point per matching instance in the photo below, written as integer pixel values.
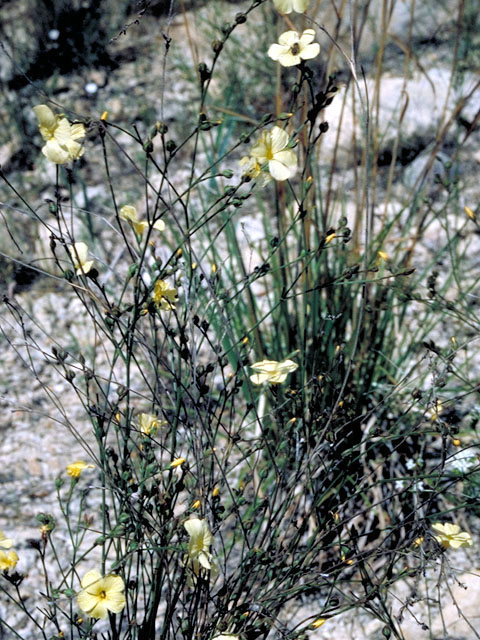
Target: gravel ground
(42, 422)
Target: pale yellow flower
(101, 595)
(164, 295)
(78, 253)
(5, 543)
(252, 169)
(272, 148)
(76, 468)
(199, 544)
(129, 213)
(8, 560)
(450, 535)
(292, 48)
(150, 424)
(436, 410)
(60, 136)
(272, 371)
(177, 462)
(287, 6)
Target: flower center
(49, 132)
(102, 595)
(295, 49)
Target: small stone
(91, 88)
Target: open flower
(292, 48)
(78, 253)
(101, 595)
(75, 469)
(253, 170)
(8, 560)
(272, 148)
(450, 535)
(164, 295)
(272, 371)
(199, 544)
(149, 424)
(129, 213)
(60, 136)
(287, 6)
(5, 543)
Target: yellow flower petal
(287, 6)
(259, 378)
(159, 225)
(307, 37)
(194, 527)
(164, 295)
(292, 48)
(279, 140)
(204, 561)
(150, 424)
(46, 120)
(8, 560)
(288, 38)
(54, 152)
(78, 253)
(101, 595)
(271, 147)
(5, 543)
(76, 468)
(75, 150)
(62, 131)
(276, 50)
(77, 131)
(253, 170)
(90, 578)
(60, 136)
(283, 166)
(311, 51)
(129, 213)
(450, 535)
(272, 371)
(199, 543)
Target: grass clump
(275, 417)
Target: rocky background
(424, 97)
